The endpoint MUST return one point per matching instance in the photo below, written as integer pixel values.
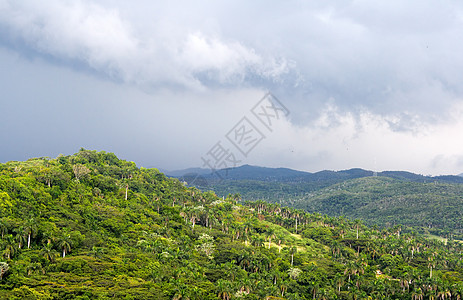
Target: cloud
(362, 79)
(97, 37)
(338, 139)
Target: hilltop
(91, 226)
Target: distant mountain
(248, 172)
(180, 173)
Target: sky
(308, 85)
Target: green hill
(91, 226)
(430, 207)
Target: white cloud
(99, 38)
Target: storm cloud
(369, 84)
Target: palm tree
(279, 237)
(417, 294)
(20, 238)
(181, 291)
(31, 230)
(270, 233)
(48, 252)
(34, 268)
(292, 251)
(3, 227)
(357, 223)
(10, 249)
(431, 264)
(351, 269)
(339, 281)
(65, 244)
(223, 289)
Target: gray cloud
(101, 40)
(148, 77)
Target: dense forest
(92, 226)
(435, 208)
(431, 205)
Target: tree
(357, 224)
(31, 230)
(3, 227)
(20, 238)
(48, 252)
(96, 252)
(294, 272)
(292, 251)
(10, 249)
(270, 233)
(223, 288)
(4, 267)
(65, 244)
(339, 281)
(35, 268)
(80, 171)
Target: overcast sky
(369, 84)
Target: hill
(91, 226)
(429, 204)
(435, 208)
(256, 173)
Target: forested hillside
(431, 205)
(91, 226)
(435, 208)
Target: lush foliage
(91, 226)
(435, 208)
(431, 205)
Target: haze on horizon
(364, 84)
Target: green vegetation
(91, 226)
(430, 207)
(435, 208)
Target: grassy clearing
(436, 237)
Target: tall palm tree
(357, 224)
(65, 244)
(3, 227)
(292, 251)
(10, 249)
(339, 281)
(270, 233)
(31, 230)
(20, 237)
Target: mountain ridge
(251, 172)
